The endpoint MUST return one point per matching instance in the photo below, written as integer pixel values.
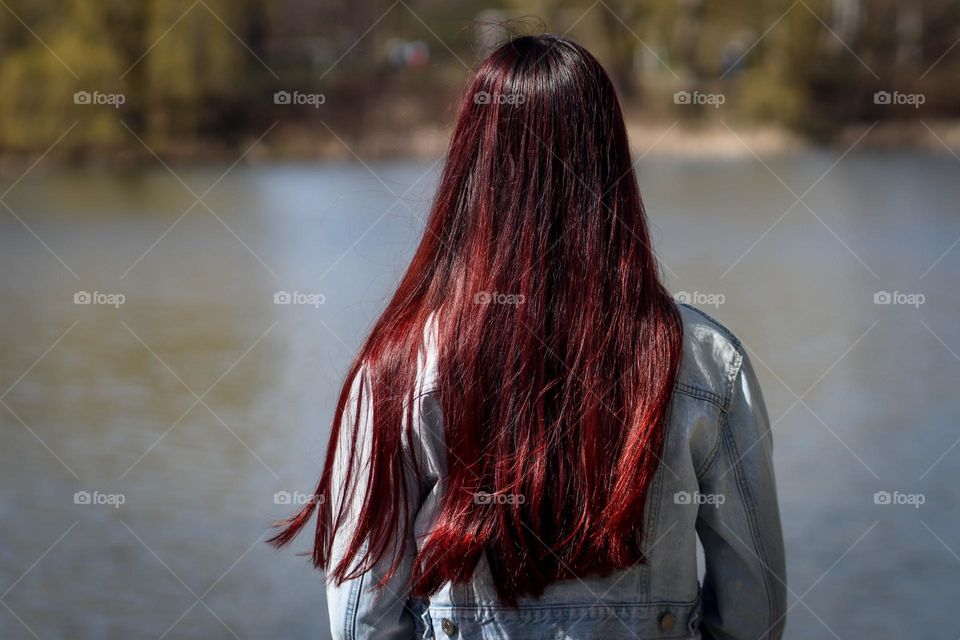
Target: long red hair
(558, 347)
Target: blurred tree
(39, 87)
(619, 21)
(193, 74)
(194, 67)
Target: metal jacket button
(448, 627)
(667, 620)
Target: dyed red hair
(560, 397)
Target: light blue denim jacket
(715, 481)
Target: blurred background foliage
(199, 76)
(799, 244)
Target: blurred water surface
(199, 398)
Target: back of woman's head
(557, 348)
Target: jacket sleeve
(359, 611)
(744, 589)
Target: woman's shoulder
(711, 358)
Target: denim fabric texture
(715, 482)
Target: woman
(534, 435)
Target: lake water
(198, 398)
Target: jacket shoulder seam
(730, 369)
(724, 412)
(719, 325)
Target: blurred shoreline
(684, 140)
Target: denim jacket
(715, 483)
